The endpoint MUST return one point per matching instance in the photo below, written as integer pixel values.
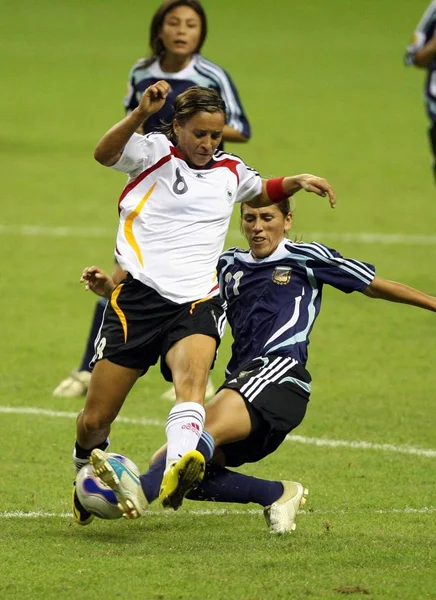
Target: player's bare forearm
(111, 145)
(398, 292)
(426, 55)
(233, 135)
(273, 190)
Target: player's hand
(98, 281)
(317, 185)
(154, 98)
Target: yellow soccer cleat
(180, 478)
(281, 515)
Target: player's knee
(93, 421)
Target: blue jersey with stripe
(273, 302)
(199, 71)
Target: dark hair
(190, 102)
(284, 206)
(156, 44)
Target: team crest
(229, 193)
(282, 275)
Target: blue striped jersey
(273, 302)
(200, 71)
(424, 31)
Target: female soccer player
(174, 215)
(273, 291)
(178, 31)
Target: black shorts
(139, 326)
(276, 391)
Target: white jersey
(174, 219)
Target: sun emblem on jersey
(282, 275)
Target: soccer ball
(95, 496)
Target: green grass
(326, 92)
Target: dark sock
(206, 445)
(95, 327)
(83, 453)
(150, 481)
(221, 485)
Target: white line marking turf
(389, 239)
(424, 510)
(358, 445)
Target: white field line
(27, 410)
(358, 445)
(389, 239)
(425, 510)
(362, 445)
(59, 232)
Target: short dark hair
(190, 102)
(156, 44)
(284, 207)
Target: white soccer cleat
(170, 394)
(281, 515)
(74, 386)
(124, 483)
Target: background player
(422, 53)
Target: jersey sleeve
(130, 99)
(423, 33)
(250, 183)
(330, 267)
(235, 113)
(225, 260)
(138, 154)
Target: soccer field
(326, 91)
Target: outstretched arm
(398, 292)
(275, 190)
(110, 147)
(425, 55)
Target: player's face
(181, 31)
(199, 137)
(264, 228)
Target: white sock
(184, 427)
